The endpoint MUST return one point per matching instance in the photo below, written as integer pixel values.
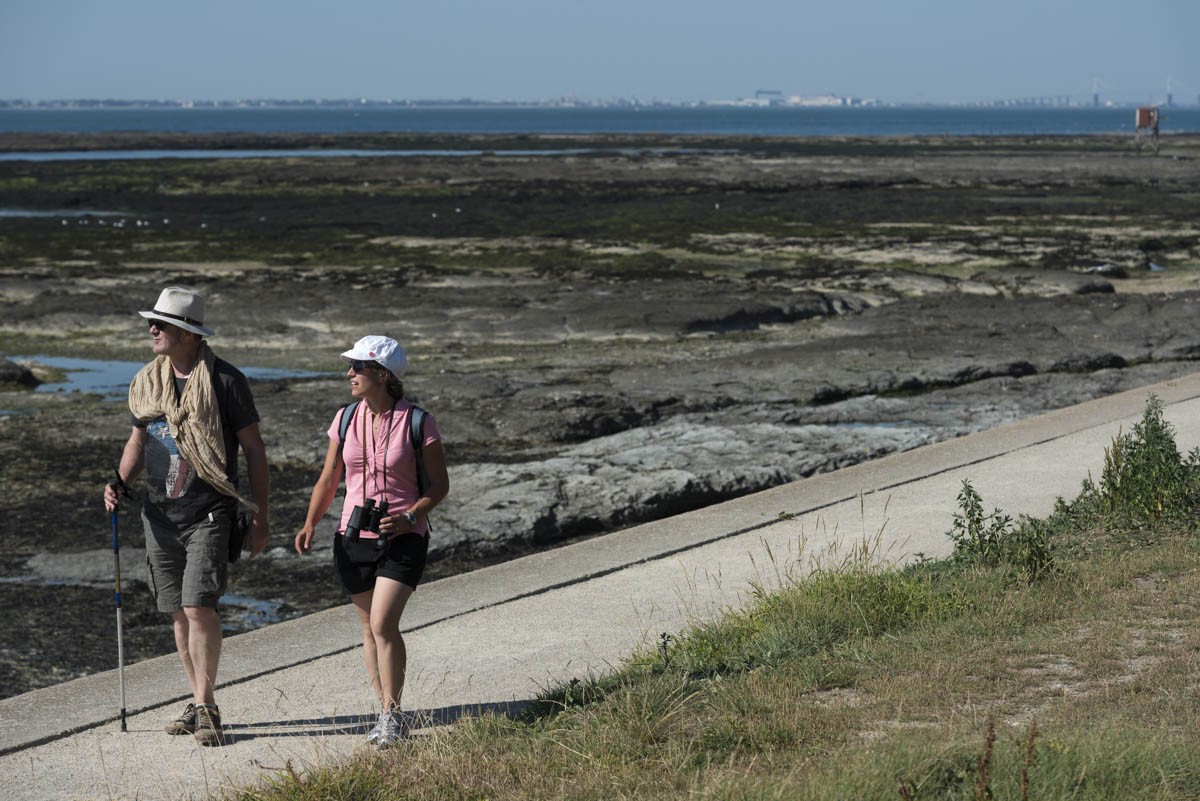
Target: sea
(875, 121)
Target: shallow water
(143, 155)
(240, 613)
(8, 212)
(111, 378)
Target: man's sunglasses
(359, 366)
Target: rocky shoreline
(604, 340)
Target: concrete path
(295, 693)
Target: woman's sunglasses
(359, 366)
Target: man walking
(191, 411)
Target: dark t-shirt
(175, 494)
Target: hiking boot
(185, 723)
(208, 725)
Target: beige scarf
(194, 419)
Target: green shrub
(994, 540)
(1146, 482)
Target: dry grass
(1086, 681)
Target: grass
(1044, 659)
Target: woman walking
(381, 442)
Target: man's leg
(166, 557)
(203, 629)
(179, 623)
(204, 576)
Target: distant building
(819, 100)
(772, 99)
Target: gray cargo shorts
(188, 566)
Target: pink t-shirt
(389, 471)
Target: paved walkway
(296, 692)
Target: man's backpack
(416, 435)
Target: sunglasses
(359, 366)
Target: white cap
(385, 351)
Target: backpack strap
(344, 424)
(417, 437)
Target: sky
(934, 51)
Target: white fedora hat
(180, 307)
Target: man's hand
(112, 495)
(257, 536)
(116, 488)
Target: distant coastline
(759, 100)
(821, 101)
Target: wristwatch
(411, 517)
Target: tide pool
(111, 378)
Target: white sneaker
(377, 730)
(391, 726)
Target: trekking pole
(120, 638)
(119, 487)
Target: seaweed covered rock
(12, 373)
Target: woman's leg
(362, 605)
(384, 613)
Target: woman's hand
(304, 538)
(395, 525)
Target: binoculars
(366, 518)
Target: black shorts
(403, 561)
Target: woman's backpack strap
(344, 424)
(416, 434)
